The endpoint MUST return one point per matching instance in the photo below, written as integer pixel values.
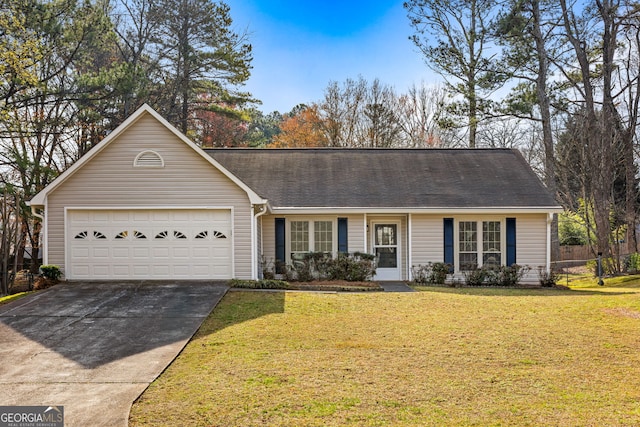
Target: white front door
(386, 248)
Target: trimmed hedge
(336, 286)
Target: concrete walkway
(396, 287)
(95, 347)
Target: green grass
(6, 299)
(443, 356)
(589, 281)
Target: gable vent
(148, 159)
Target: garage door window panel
(190, 243)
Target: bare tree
(380, 120)
(10, 233)
(357, 113)
(594, 39)
(340, 111)
(418, 113)
(506, 132)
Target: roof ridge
(380, 149)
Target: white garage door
(149, 244)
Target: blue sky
(300, 46)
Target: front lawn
(443, 356)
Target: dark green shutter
(343, 246)
(511, 241)
(280, 245)
(448, 242)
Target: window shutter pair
(448, 241)
(281, 257)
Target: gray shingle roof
(388, 178)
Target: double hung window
(479, 244)
(310, 236)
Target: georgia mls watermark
(31, 416)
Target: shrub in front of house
(268, 268)
(508, 275)
(432, 273)
(547, 278)
(259, 284)
(50, 275)
(352, 267)
(496, 276)
(476, 276)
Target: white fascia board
(39, 199)
(148, 208)
(446, 211)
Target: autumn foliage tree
(302, 129)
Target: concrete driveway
(95, 347)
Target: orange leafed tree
(305, 129)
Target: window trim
(479, 229)
(311, 221)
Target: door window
(386, 245)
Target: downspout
(36, 214)
(409, 246)
(261, 210)
(366, 237)
(549, 220)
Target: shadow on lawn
(240, 306)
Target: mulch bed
(335, 285)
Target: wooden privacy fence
(575, 253)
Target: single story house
(147, 203)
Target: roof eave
(404, 210)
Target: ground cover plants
(441, 356)
(9, 298)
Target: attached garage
(149, 244)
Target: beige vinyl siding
(268, 228)
(427, 238)
(110, 180)
(531, 243)
(355, 232)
